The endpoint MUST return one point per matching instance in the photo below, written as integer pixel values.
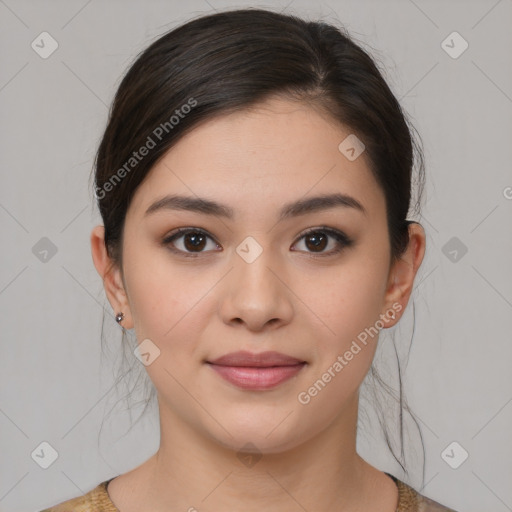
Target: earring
(119, 317)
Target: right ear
(111, 275)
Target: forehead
(273, 153)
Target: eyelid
(325, 229)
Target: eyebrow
(294, 209)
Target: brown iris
(318, 239)
(197, 241)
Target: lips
(261, 360)
(256, 371)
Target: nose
(257, 294)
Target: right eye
(192, 244)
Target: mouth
(260, 371)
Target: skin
(286, 300)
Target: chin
(260, 434)
(257, 444)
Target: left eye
(316, 240)
(194, 241)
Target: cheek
(166, 315)
(167, 306)
(352, 303)
(345, 351)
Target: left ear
(401, 276)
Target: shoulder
(411, 500)
(97, 499)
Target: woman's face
(252, 279)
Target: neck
(193, 472)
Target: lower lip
(257, 378)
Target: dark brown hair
(232, 60)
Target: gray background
(53, 387)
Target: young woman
(254, 181)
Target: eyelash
(341, 238)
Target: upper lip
(261, 359)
